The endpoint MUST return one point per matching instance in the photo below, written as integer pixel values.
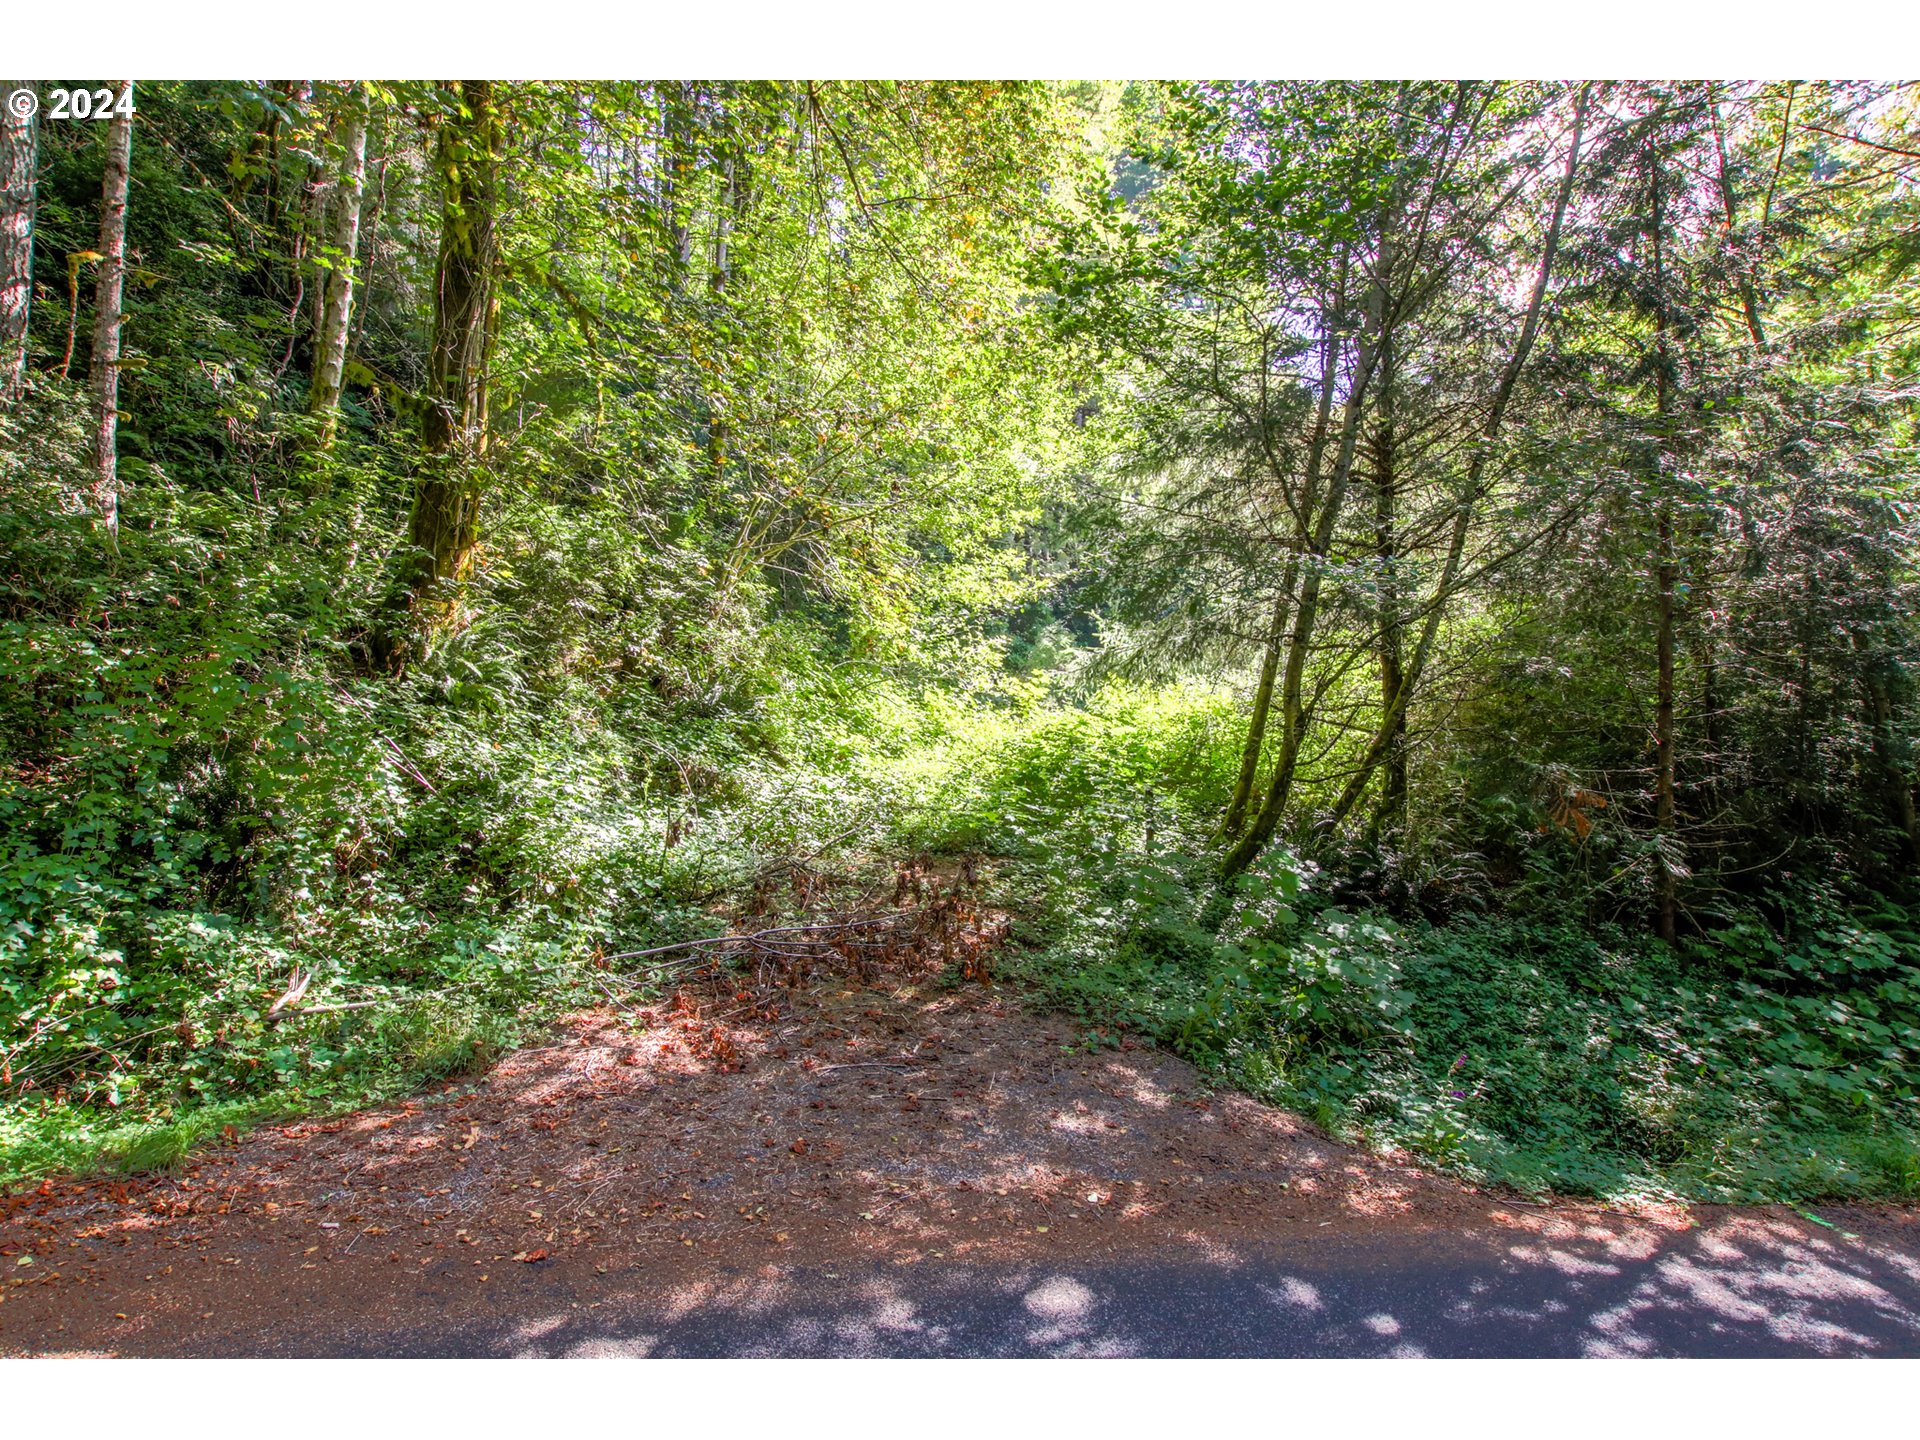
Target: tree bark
(1666, 577)
(1663, 806)
(1393, 797)
(1235, 819)
(292, 216)
(724, 217)
(676, 177)
(1307, 611)
(18, 177)
(444, 526)
(343, 241)
(369, 234)
(104, 368)
(1886, 750)
(1745, 264)
(1236, 815)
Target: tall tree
(1666, 567)
(445, 523)
(104, 369)
(340, 254)
(18, 186)
(1399, 679)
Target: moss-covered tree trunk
(444, 527)
(342, 249)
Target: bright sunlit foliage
(1412, 586)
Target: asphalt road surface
(1750, 1285)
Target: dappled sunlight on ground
(886, 1169)
(1402, 1296)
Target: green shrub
(1766, 1061)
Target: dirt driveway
(764, 1183)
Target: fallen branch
(758, 936)
(296, 987)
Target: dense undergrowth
(464, 882)
(215, 801)
(795, 531)
(448, 863)
(1774, 1056)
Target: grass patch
(412, 1044)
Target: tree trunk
(1707, 763)
(1391, 815)
(1393, 723)
(17, 190)
(292, 215)
(1262, 704)
(369, 235)
(343, 241)
(724, 218)
(1235, 820)
(1886, 751)
(1306, 612)
(677, 176)
(1663, 808)
(1745, 265)
(104, 370)
(446, 508)
(1665, 571)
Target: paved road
(1752, 1286)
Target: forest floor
(827, 1174)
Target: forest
(1406, 592)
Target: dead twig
(873, 1065)
(607, 991)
